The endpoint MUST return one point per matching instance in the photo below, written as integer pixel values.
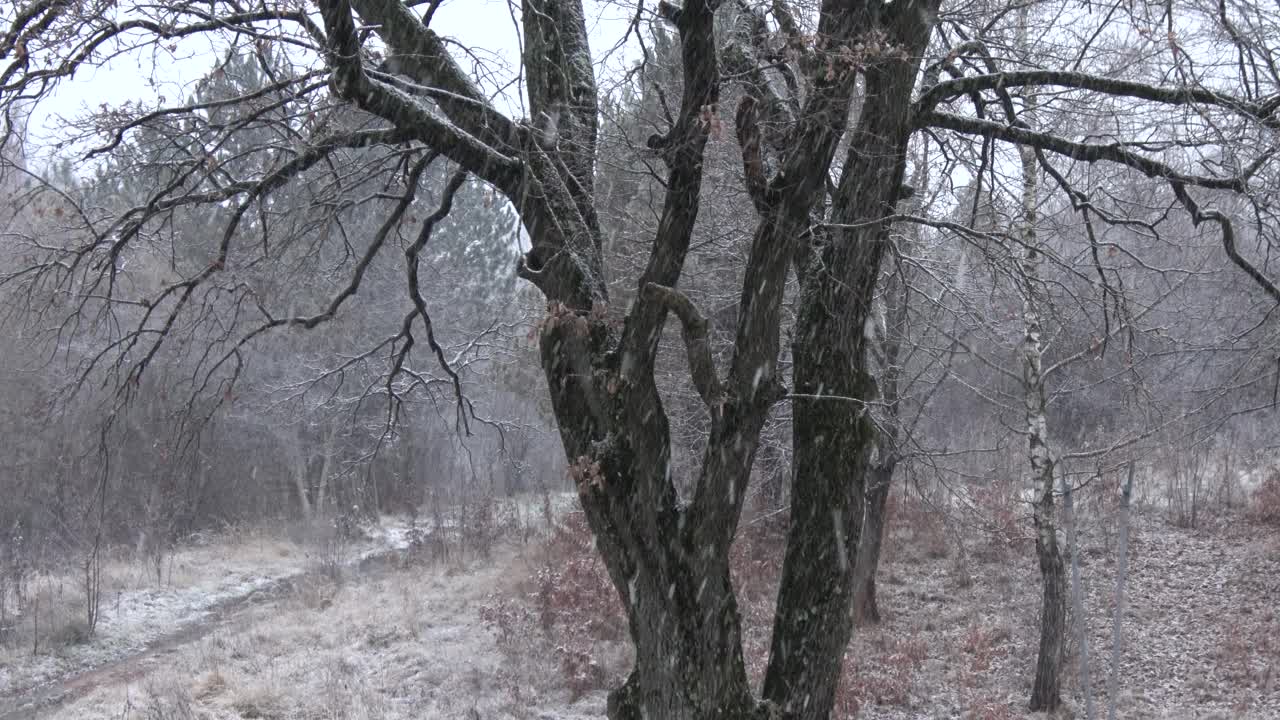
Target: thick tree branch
(418, 52)
(947, 89)
(749, 58)
(1199, 215)
(748, 127)
(792, 193)
(833, 444)
(697, 345)
(554, 195)
(403, 110)
(1085, 152)
(561, 82)
(683, 150)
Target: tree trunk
(1046, 689)
(668, 561)
(668, 558)
(326, 464)
(1122, 571)
(1077, 596)
(300, 488)
(866, 611)
(833, 431)
(298, 455)
(688, 663)
(832, 453)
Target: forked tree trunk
(833, 432)
(667, 558)
(688, 662)
(669, 562)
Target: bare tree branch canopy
(1143, 125)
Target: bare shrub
(582, 672)
(209, 685)
(923, 524)
(570, 610)
(155, 548)
(1002, 524)
(168, 701)
(74, 632)
(1098, 506)
(573, 585)
(424, 545)
(982, 645)
(1264, 506)
(317, 592)
(514, 621)
(484, 522)
(1186, 488)
(53, 617)
(258, 701)
(334, 543)
(883, 674)
(1229, 493)
(988, 708)
(507, 522)
(1247, 657)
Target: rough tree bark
(1046, 688)
(833, 433)
(668, 560)
(896, 300)
(866, 610)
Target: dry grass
(59, 595)
(50, 640)
(959, 599)
(405, 642)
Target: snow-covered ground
(958, 637)
(197, 581)
(202, 584)
(405, 643)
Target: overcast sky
(480, 24)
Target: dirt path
(43, 699)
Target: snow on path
(133, 619)
(403, 644)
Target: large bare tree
(833, 92)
